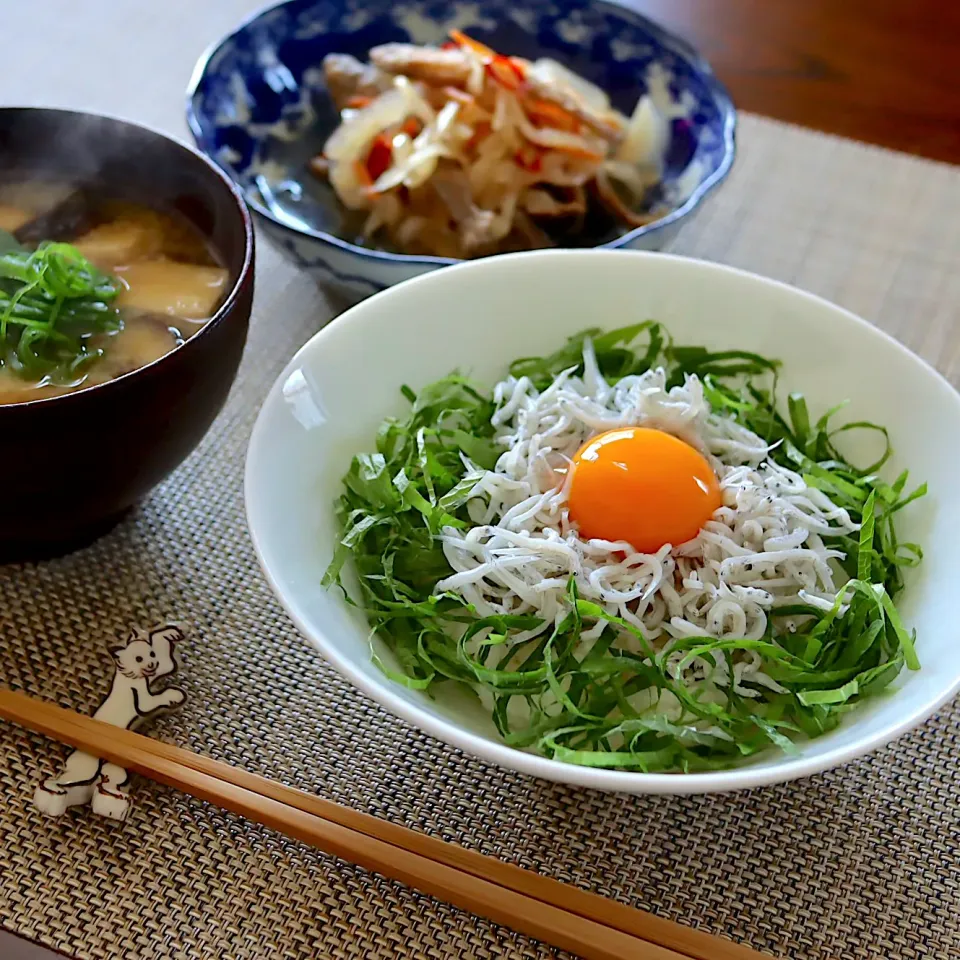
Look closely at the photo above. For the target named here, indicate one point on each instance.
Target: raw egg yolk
(643, 486)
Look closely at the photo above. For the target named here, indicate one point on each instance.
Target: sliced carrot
(481, 50)
(552, 115)
(579, 152)
(358, 101)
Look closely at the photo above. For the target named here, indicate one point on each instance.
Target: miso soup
(93, 288)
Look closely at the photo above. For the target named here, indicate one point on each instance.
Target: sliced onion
(399, 173)
(415, 171)
(447, 116)
(392, 177)
(552, 82)
(561, 140)
(486, 227)
(492, 196)
(453, 189)
(462, 132)
(550, 73)
(478, 73)
(407, 231)
(352, 193)
(386, 211)
(636, 179)
(423, 165)
(503, 221)
(478, 231)
(565, 170)
(646, 137)
(436, 237)
(534, 237)
(491, 152)
(348, 142)
(500, 111)
(540, 203)
(554, 139)
(402, 145)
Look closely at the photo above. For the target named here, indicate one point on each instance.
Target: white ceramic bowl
(477, 317)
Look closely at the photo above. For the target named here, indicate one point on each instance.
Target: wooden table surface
(884, 71)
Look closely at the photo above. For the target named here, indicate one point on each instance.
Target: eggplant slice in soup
(62, 222)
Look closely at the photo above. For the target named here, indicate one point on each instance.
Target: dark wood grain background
(884, 71)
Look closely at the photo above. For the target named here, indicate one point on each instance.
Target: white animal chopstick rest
(145, 657)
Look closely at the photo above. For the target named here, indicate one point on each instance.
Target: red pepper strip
(379, 158)
(358, 101)
(507, 72)
(363, 177)
(529, 158)
(480, 132)
(411, 127)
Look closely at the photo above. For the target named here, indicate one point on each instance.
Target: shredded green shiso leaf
(397, 499)
(52, 301)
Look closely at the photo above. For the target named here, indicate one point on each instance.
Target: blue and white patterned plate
(257, 105)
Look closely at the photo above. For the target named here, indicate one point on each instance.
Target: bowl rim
(492, 751)
(666, 37)
(244, 274)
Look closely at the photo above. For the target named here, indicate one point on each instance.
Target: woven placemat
(861, 863)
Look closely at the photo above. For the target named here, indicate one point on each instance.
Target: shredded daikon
(523, 137)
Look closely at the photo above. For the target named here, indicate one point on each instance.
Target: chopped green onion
(52, 302)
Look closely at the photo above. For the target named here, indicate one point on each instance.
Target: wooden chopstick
(549, 910)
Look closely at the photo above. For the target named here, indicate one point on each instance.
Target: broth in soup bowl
(126, 281)
(92, 289)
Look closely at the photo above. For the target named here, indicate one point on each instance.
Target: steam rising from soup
(161, 283)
